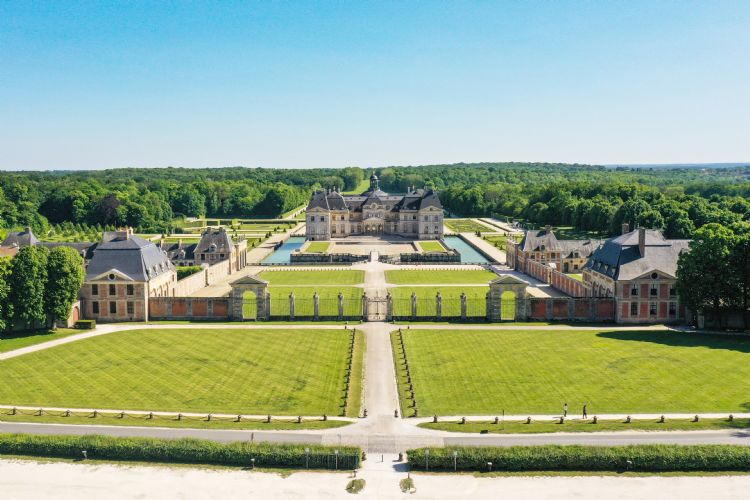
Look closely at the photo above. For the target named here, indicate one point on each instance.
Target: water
(469, 254)
(283, 253)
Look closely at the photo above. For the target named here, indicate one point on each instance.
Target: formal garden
(520, 372)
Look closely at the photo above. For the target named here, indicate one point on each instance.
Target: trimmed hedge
(85, 324)
(196, 451)
(651, 458)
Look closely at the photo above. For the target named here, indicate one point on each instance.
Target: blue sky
(331, 84)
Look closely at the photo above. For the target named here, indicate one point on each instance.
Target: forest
(587, 197)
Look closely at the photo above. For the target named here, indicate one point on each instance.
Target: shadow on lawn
(679, 339)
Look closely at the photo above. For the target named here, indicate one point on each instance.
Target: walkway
(491, 250)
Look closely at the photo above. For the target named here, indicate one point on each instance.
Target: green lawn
(576, 276)
(284, 372)
(306, 278)
(435, 277)
(10, 342)
(476, 305)
(431, 246)
(318, 247)
(484, 372)
(465, 226)
(579, 425)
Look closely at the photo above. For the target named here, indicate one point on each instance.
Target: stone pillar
(267, 314)
(488, 306)
(341, 306)
(521, 314)
(388, 307)
(464, 315)
(261, 302)
(316, 306)
(413, 306)
(438, 306)
(291, 306)
(571, 308)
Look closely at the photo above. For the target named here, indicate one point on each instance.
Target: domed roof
(373, 177)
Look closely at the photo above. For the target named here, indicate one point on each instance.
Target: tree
(739, 259)
(190, 202)
(5, 309)
(65, 277)
(29, 281)
(704, 273)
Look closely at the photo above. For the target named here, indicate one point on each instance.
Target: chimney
(642, 241)
(625, 228)
(27, 229)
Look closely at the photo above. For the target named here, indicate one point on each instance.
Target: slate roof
(136, 258)
(214, 241)
(413, 200)
(177, 250)
(20, 239)
(84, 249)
(533, 240)
(620, 257)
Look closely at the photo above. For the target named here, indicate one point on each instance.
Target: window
(112, 290)
(672, 291)
(672, 309)
(130, 308)
(95, 307)
(113, 308)
(652, 309)
(654, 290)
(634, 290)
(130, 289)
(95, 290)
(634, 308)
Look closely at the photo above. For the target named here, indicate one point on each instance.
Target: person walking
(585, 414)
(565, 410)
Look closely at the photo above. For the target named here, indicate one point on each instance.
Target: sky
(91, 85)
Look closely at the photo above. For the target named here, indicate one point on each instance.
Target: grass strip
(196, 451)
(577, 425)
(638, 458)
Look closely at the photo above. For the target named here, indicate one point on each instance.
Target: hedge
(654, 458)
(196, 451)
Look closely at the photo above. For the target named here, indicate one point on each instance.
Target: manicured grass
(451, 300)
(283, 372)
(465, 226)
(578, 425)
(328, 277)
(318, 247)
(483, 372)
(431, 246)
(439, 277)
(354, 406)
(571, 233)
(162, 421)
(328, 300)
(578, 277)
(10, 342)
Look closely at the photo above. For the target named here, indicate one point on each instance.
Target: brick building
(124, 272)
(638, 269)
(543, 247)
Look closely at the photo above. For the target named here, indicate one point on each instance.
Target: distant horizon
(468, 164)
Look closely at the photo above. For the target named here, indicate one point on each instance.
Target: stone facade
(417, 214)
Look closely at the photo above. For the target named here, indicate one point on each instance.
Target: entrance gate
(378, 308)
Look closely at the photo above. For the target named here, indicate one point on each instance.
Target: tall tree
(65, 277)
(740, 262)
(29, 281)
(5, 307)
(704, 273)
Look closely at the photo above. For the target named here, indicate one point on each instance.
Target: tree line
(38, 286)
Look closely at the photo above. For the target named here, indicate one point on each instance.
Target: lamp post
(336, 453)
(252, 462)
(455, 464)
(427, 459)
(489, 466)
(307, 458)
